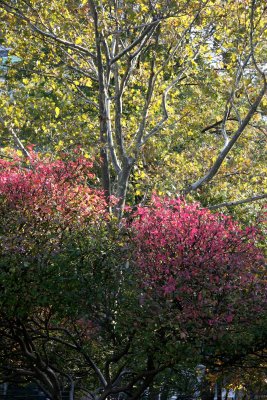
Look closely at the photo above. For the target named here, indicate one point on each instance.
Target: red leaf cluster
(203, 264)
(48, 188)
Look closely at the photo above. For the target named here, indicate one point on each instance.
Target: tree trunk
(219, 391)
(153, 394)
(121, 189)
(103, 117)
(207, 390)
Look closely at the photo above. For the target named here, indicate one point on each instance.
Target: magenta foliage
(47, 188)
(204, 264)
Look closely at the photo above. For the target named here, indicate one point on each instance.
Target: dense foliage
(86, 310)
(200, 261)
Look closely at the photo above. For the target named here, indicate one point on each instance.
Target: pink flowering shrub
(202, 265)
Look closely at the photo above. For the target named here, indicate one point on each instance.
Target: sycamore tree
(150, 86)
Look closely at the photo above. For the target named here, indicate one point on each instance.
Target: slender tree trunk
(121, 190)
(103, 117)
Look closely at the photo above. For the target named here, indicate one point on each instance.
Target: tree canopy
(151, 87)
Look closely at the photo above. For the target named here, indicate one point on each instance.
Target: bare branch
(149, 94)
(147, 32)
(236, 203)
(217, 123)
(182, 38)
(165, 116)
(230, 101)
(19, 143)
(141, 139)
(17, 139)
(118, 113)
(87, 100)
(252, 46)
(80, 70)
(78, 347)
(132, 61)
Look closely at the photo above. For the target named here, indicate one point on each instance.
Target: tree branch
(217, 123)
(118, 113)
(236, 203)
(15, 11)
(146, 32)
(165, 116)
(226, 149)
(17, 139)
(242, 123)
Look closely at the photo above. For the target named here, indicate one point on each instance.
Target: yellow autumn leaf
(88, 83)
(57, 111)
(78, 40)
